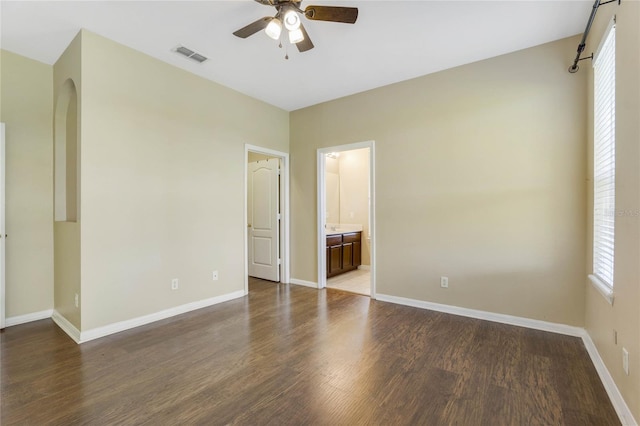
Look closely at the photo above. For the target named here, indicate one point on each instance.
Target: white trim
(3, 164)
(117, 327)
(603, 289)
(66, 326)
(23, 319)
(321, 232)
(303, 283)
(285, 276)
(372, 218)
(321, 212)
(488, 316)
(618, 402)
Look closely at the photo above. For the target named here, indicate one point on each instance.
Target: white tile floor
(357, 281)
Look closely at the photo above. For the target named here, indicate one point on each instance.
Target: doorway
(266, 215)
(346, 218)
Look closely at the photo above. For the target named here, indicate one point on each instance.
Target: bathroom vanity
(344, 252)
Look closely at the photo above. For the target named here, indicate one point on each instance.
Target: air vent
(190, 54)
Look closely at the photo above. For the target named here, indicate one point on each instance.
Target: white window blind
(604, 167)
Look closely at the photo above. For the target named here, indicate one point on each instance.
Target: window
(604, 164)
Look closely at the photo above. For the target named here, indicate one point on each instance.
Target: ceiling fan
(288, 13)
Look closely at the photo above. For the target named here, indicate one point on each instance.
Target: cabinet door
(335, 260)
(328, 261)
(357, 254)
(347, 256)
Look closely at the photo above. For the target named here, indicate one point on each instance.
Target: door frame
(285, 271)
(322, 210)
(3, 236)
(272, 270)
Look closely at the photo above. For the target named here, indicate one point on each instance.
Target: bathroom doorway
(346, 220)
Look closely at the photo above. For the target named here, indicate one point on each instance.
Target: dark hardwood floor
(294, 355)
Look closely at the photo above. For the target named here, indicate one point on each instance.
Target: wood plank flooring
(293, 355)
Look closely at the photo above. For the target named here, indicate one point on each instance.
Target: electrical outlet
(444, 282)
(214, 276)
(175, 284)
(625, 361)
(77, 301)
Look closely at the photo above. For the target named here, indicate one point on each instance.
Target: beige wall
(601, 318)
(354, 193)
(162, 182)
(67, 234)
(480, 177)
(26, 101)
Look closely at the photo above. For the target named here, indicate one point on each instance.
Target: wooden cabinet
(334, 260)
(344, 253)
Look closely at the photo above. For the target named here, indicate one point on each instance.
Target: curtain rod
(574, 68)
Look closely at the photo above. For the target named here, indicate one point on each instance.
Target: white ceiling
(391, 41)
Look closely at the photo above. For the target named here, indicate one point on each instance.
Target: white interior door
(264, 224)
(2, 230)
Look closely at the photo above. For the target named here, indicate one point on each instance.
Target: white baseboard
(365, 267)
(66, 326)
(23, 319)
(117, 327)
(618, 402)
(303, 283)
(484, 315)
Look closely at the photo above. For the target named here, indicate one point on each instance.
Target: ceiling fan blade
(305, 44)
(253, 27)
(348, 15)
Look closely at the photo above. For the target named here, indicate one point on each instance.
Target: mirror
(332, 185)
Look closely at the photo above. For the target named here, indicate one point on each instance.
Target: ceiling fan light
(291, 20)
(274, 28)
(296, 36)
